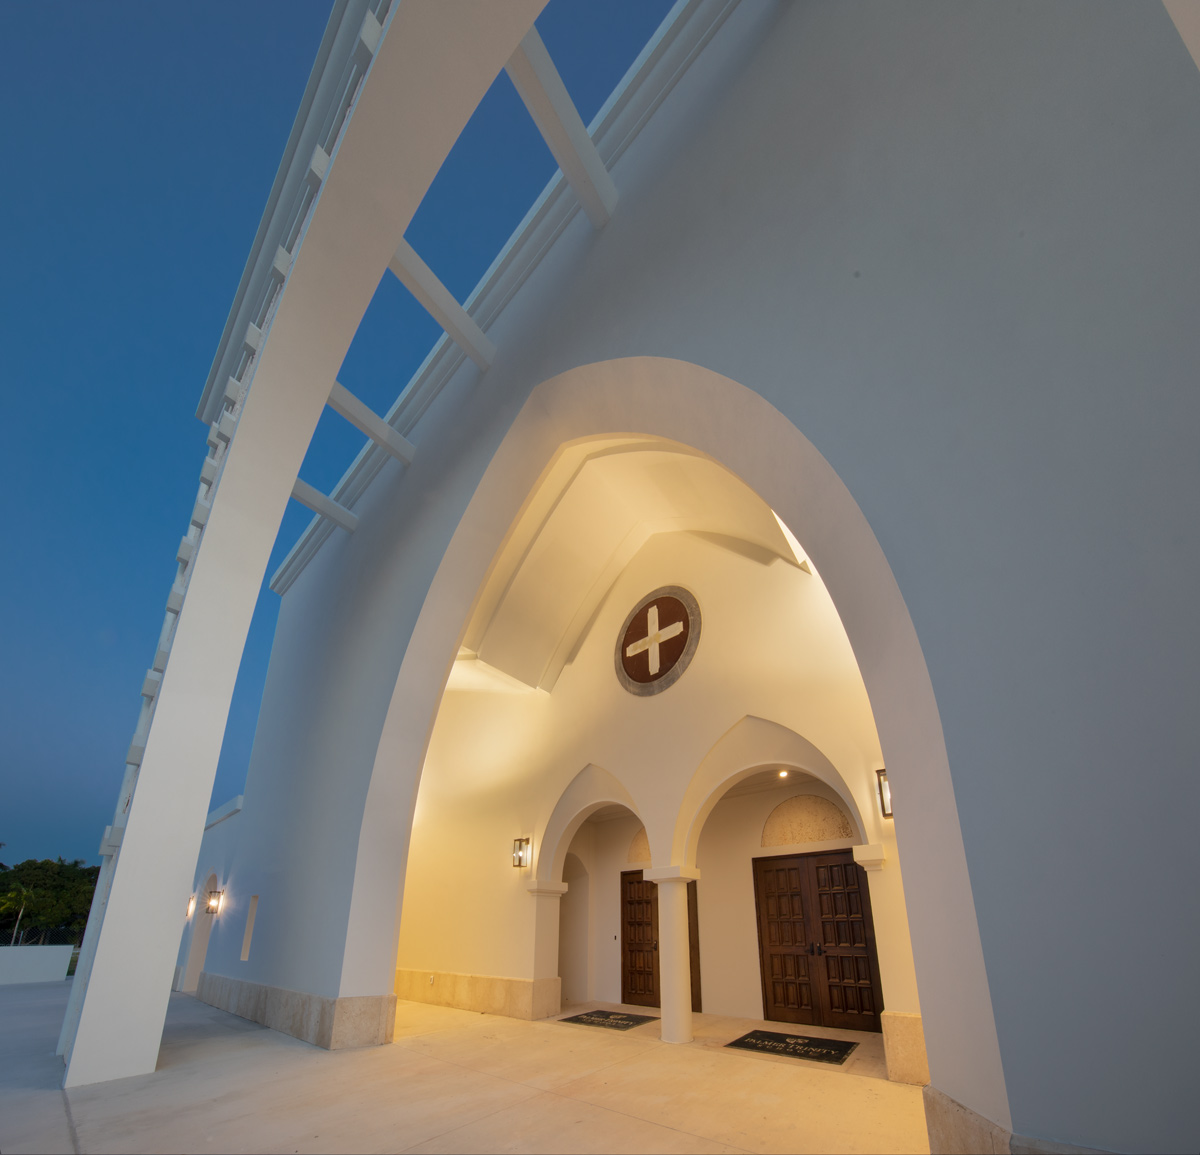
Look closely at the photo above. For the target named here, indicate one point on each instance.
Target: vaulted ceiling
(599, 504)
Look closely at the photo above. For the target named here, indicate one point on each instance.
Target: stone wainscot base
(516, 998)
(957, 1130)
(362, 1021)
(904, 1047)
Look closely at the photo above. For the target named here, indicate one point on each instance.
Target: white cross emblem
(653, 639)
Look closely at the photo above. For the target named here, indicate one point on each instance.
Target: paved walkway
(454, 1081)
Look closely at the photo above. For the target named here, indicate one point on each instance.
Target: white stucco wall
(956, 246)
(34, 964)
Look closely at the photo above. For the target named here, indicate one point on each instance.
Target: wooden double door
(817, 941)
(639, 941)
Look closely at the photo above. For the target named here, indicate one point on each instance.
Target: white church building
(774, 596)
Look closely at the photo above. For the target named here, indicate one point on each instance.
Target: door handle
(819, 950)
(811, 948)
(654, 945)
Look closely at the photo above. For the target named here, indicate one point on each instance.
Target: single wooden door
(784, 942)
(639, 940)
(639, 925)
(817, 941)
(847, 965)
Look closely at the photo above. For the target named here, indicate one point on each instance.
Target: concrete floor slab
(452, 1081)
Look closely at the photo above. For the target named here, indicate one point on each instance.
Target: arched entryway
(724, 423)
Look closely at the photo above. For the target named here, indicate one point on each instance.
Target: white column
(389, 153)
(547, 984)
(674, 951)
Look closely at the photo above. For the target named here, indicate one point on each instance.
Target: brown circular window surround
(657, 641)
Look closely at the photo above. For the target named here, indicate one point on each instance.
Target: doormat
(613, 1020)
(795, 1046)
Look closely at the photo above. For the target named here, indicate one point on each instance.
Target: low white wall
(34, 964)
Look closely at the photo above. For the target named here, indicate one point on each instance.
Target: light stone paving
(453, 1081)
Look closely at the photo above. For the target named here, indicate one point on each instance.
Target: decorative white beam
(541, 88)
(324, 506)
(419, 279)
(343, 402)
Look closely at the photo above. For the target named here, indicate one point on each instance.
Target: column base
(904, 1047)
(359, 1021)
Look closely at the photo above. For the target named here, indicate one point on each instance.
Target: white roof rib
(673, 48)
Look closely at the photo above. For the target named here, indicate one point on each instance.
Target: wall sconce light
(783, 773)
(522, 852)
(191, 906)
(215, 900)
(885, 794)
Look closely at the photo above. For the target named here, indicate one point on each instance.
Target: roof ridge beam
(324, 506)
(419, 279)
(541, 88)
(346, 405)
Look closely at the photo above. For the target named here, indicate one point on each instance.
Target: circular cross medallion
(657, 641)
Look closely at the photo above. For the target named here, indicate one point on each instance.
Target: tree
(59, 898)
(17, 898)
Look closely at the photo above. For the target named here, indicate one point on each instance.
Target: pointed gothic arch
(735, 426)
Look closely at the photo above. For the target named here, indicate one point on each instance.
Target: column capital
(547, 889)
(870, 857)
(671, 874)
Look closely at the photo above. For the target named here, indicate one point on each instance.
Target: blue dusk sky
(143, 140)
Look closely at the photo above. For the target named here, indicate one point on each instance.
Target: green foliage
(55, 895)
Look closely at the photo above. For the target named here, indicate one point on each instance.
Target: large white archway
(694, 406)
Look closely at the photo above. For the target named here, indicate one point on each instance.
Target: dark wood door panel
(817, 941)
(849, 991)
(639, 940)
(784, 941)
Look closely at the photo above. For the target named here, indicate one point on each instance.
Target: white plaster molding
(225, 810)
(548, 889)
(671, 874)
(870, 857)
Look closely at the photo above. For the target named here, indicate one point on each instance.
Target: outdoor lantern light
(214, 901)
(521, 851)
(885, 793)
(782, 773)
